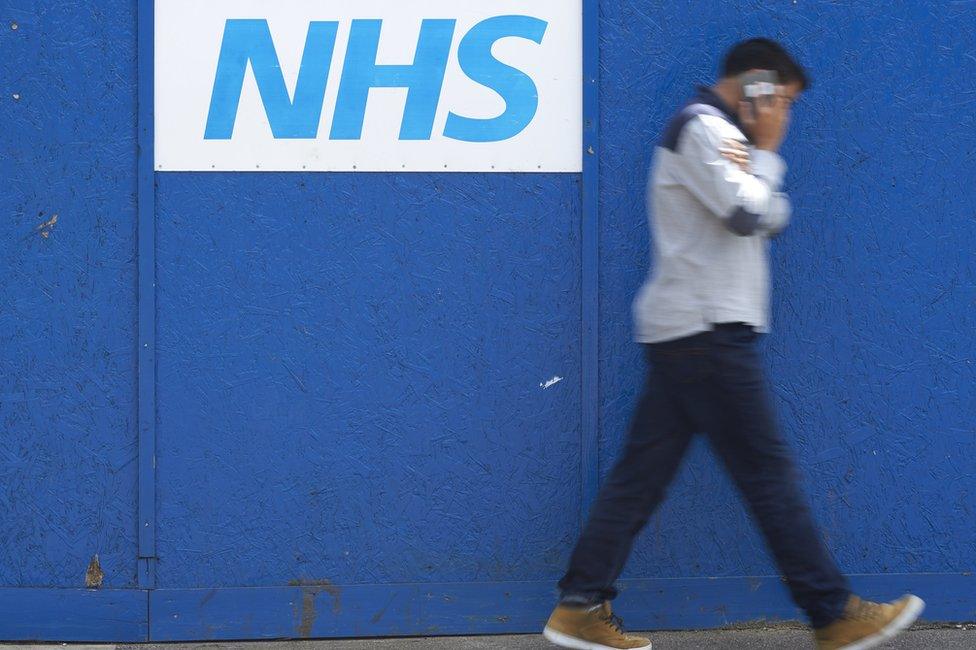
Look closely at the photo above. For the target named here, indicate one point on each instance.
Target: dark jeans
(710, 383)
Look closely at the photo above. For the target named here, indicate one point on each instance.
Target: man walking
(714, 201)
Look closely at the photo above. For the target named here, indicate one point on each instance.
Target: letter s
(514, 86)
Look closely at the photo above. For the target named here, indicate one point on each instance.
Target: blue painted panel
(37, 614)
(327, 610)
(872, 355)
(67, 295)
(350, 372)
(351, 367)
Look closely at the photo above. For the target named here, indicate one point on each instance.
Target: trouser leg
(743, 431)
(657, 440)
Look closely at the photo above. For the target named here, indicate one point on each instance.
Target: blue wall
(349, 370)
(351, 436)
(67, 293)
(872, 354)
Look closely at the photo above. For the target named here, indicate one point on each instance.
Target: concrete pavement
(947, 638)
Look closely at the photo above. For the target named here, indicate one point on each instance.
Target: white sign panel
(368, 85)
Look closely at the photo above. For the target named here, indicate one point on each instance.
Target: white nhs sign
(368, 85)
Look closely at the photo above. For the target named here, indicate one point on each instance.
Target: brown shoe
(593, 628)
(867, 625)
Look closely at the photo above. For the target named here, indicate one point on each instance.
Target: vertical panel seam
(590, 262)
(146, 287)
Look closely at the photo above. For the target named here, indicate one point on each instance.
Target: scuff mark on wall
(94, 574)
(552, 382)
(378, 616)
(307, 612)
(45, 228)
(206, 599)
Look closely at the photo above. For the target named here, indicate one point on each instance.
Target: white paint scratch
(552, 382)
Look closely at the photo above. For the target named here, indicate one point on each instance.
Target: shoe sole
(902, 622)
(566, 641)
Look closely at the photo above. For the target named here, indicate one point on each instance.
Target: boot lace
(615, 622)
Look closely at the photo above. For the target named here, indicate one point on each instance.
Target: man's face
(786, 94)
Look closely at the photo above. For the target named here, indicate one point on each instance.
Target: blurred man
(714, 199)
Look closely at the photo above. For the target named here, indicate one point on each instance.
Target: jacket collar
(709, 97)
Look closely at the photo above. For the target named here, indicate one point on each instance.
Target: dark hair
(764, 54)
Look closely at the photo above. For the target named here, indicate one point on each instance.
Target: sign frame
(230, 101)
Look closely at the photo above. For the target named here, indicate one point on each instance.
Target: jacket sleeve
(747, 203)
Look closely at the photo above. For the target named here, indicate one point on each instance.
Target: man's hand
(767, 120)
(736, 152)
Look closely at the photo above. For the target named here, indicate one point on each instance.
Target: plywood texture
(67, 292)
(872, 357)
(352, 372)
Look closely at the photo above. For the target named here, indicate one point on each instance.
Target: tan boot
(594, 628)
(867, 625)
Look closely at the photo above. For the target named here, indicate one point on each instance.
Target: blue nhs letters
(249, 41)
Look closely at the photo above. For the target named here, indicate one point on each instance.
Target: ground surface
(952, 638)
